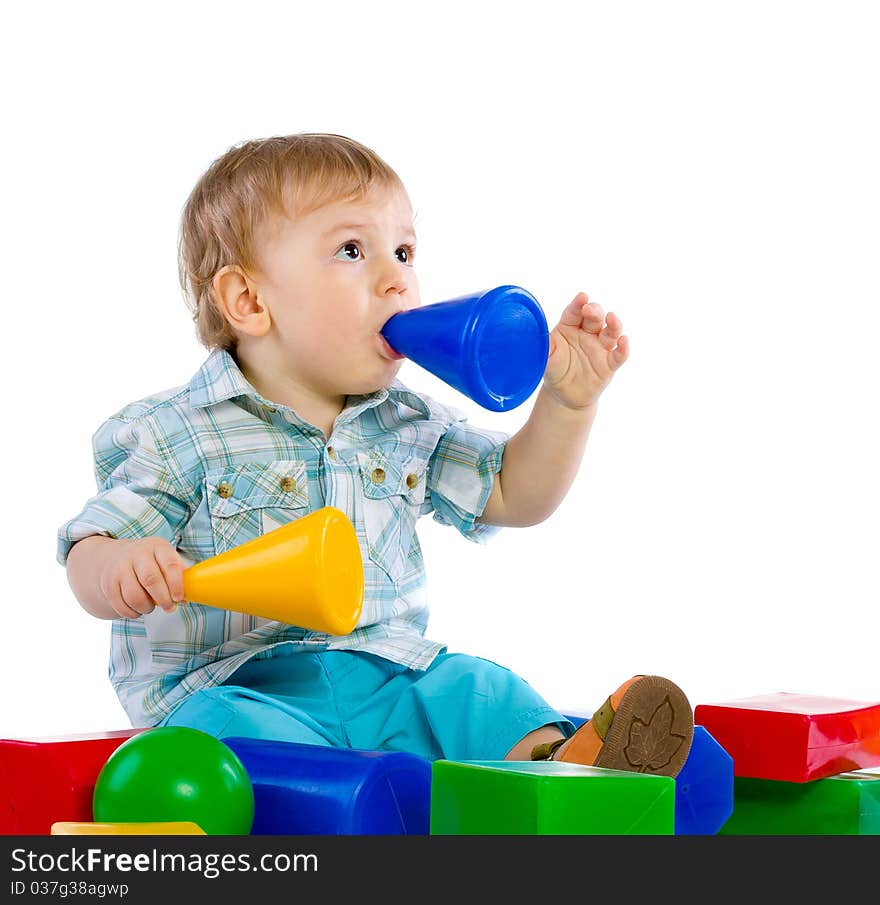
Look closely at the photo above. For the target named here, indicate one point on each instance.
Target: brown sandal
(646, 726)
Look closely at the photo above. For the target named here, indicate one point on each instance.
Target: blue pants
(460, 708)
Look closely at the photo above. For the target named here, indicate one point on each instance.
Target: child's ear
(239, 302)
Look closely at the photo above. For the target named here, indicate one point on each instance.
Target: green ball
(175, 773)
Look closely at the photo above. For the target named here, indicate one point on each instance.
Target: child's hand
(141, 575)
(586, 348)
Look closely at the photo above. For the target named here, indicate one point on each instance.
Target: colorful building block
(164, 828)
(794, 737)
(314, 790)
(703, 787)
(44, 780)
(547, 798)
(844, 805)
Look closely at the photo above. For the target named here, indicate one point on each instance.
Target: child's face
(331, 279)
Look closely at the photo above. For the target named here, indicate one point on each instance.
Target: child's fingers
(152, 580)
(117, 601)
(111, 588)
(620, 353)
(573, 313)
(134, 594)
(611, 331)
(169, 562)
(592, 317)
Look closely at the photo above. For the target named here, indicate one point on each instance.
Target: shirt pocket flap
(384, 476)
(280, 484)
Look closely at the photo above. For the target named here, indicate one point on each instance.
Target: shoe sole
(652, 729)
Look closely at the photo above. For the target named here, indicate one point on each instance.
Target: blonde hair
(288, 175)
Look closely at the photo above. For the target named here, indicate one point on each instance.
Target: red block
(794, 737)
(44, 780)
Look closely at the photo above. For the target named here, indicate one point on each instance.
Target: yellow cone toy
(308, 572)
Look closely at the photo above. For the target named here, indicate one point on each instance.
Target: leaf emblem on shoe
(652, 745)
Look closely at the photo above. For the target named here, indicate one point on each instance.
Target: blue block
(311, 790)
(703, 787)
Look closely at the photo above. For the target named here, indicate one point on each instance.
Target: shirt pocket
(393, 493)
(248, 500)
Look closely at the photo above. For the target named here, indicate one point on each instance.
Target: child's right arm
(125, 578)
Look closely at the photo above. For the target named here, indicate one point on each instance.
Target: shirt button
(332, 453)
(224, 490)
(412, 480)
(288, 483)
(377, 476)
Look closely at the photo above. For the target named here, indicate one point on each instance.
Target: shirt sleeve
(137, 493)
(461, 474)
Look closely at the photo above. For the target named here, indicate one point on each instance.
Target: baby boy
(294, 252)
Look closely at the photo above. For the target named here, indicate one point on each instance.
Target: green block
(844, 805)
(539, 798)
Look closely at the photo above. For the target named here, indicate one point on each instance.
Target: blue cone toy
(492, 346)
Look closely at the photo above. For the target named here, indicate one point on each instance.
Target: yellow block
(167, 828)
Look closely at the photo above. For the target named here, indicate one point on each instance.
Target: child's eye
(405, 254)
(350, 250)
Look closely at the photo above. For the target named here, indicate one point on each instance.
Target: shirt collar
(220, 379)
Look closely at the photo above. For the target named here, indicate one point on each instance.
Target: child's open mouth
(387, 350)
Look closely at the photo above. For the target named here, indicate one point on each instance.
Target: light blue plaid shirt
(160, 461)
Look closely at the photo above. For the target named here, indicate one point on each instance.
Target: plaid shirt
(160, 461)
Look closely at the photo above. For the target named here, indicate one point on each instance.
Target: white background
(709, 171)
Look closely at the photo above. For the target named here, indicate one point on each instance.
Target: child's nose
(391, 278)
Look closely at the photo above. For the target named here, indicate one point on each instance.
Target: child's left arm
(541, 460)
